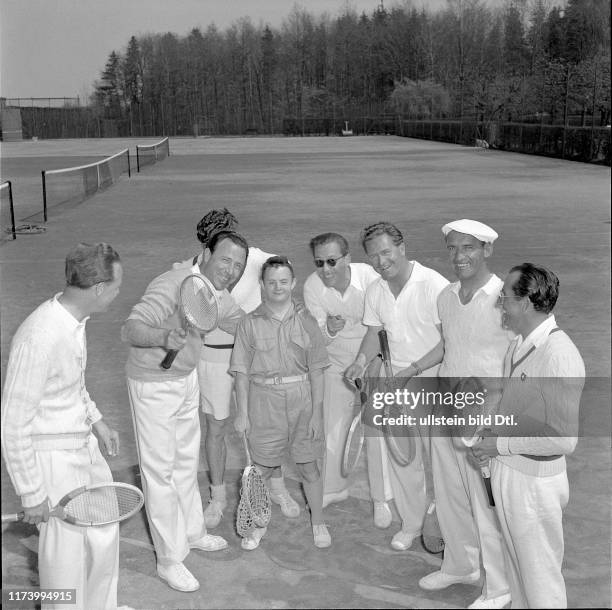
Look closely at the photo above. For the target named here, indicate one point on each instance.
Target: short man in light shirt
(335, 295)
(403, 302)
(216, 384)
(473, 345)
(165, 405)
(544, 377)
(47, 422)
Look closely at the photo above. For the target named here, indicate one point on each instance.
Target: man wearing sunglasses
(403, 301)
(335, 295)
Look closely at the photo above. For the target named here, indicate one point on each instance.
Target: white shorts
(216, 386)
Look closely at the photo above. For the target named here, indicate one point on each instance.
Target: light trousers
(167, 427)
(530, 512)
(70, 556)
(470, 527)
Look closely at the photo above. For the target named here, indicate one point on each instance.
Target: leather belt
(277, 380)
(542, 458)
(220, 345)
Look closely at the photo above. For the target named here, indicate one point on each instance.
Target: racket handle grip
(486, 477)
(12, 517)
(166, 363)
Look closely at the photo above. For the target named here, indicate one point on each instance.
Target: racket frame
(187, 318)
(59, 510)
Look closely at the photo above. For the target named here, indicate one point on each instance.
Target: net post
(44, 193)
(137, 159)
(129, 163)
(12, 210)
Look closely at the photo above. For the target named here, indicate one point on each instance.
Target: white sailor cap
(479, 230)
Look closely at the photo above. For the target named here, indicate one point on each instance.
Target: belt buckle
(277, 379)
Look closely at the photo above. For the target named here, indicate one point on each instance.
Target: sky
(57, 48)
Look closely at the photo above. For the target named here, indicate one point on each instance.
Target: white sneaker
(322, 539)
(336, 496)
(402, 541)
(289, 507)
(382, 515)
(250, 543)
(178, 577)
(491, 602)
(214, 513)
(208, 542)
(440, 580)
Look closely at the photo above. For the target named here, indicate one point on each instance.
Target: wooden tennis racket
(355, 434)
(399, 440)
(93, 505)
(198, 307)
(254, 508)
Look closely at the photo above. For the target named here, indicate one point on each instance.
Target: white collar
(537, 336)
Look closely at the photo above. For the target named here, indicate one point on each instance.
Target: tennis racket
(254, 507)
(432, 536)
(400, 442)
(474, 385)
(355, 434)
(94, 505)
(198, 307)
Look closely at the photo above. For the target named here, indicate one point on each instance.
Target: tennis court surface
(284, 191)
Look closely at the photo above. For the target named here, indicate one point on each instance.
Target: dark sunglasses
(331, 262)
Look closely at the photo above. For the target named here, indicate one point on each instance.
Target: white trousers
(469, 526)
(530, 512)
(70, 556)
(167, 427)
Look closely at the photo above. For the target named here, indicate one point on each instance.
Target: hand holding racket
(198, 308)
(475, 386)
(92, 505)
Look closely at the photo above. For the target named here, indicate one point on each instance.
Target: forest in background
(526, 60)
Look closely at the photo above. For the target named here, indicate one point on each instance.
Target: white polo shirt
(411, 319)
(475, 343)
(322, 301)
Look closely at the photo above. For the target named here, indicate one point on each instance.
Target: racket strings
(254, 506)
(199, 303)
(103, 504)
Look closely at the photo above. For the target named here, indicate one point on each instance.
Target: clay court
(284, 191)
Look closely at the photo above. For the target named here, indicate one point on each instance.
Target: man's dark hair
(274, 262)
(236, 238)
(213, 222)
(329, 238)
(537, 283)
(381, 228)
(88, 265)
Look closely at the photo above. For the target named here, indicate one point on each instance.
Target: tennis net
(7, 212)
(152, 153)
(76, 184)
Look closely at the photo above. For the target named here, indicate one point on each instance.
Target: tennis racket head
(469, 432)
(433, 540)
(199, 302)
(100, 504)
(400, 439)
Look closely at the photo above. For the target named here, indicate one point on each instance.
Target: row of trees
(521, 61)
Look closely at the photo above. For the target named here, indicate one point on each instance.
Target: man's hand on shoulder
(108, 437)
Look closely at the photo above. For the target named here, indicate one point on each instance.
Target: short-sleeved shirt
(323, 300)
(475, 343)
(268, 347)
(411, 320)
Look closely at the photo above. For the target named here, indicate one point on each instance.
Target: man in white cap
(473, 345)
